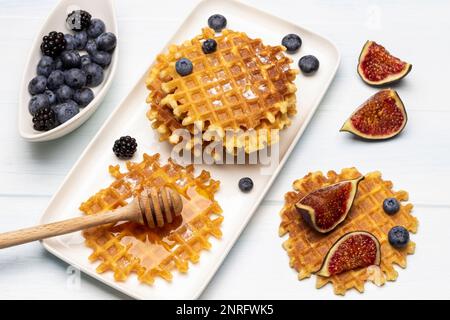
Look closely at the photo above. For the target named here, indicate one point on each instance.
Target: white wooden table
(418, 160)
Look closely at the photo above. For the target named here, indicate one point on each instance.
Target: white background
(418, 160)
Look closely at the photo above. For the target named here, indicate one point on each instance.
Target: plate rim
(207, 278)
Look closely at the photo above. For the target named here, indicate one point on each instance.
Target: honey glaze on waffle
(307, 248)
(243, 85)
(129, 247)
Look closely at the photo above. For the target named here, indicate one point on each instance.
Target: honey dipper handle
(130, 212)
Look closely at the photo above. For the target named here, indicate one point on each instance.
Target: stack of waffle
(244, 88)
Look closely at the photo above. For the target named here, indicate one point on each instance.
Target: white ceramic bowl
(102, 9)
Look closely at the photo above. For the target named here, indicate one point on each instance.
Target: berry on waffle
(243, 85)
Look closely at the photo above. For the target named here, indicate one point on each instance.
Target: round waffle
(244, 85)
(307, 248)
(129, 247)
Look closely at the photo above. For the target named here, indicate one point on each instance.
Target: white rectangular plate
(90, 172)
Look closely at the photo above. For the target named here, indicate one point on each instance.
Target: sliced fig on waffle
(357, 249)
(324, 209)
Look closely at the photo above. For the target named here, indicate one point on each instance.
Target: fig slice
(381, 117)
(356, 249)
(324, 209)
(378, 67)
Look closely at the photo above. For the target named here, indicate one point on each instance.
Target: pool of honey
(153, 246)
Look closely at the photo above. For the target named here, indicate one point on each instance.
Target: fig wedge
(324, 209)
(357, 249)
(382, 116)
(377, 67)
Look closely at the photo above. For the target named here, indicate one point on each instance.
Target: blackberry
(44, 119)
(78, 20)
(125, 147)
(53, 44)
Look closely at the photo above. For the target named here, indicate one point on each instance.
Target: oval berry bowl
(69, 69)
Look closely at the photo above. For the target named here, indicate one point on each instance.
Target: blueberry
(217, 22)
(91, 46)
(94, 74)
(391, 206)
(55, 80)
(398, 237)
(209, 46)
(51, 97)
(45, 66)
(58, 64)
(308, 64)
(56, 107)
(85, 60)
(70, 59)
(37, 102)
(75, 78)
(66, 111)
(184, 67)
(292, 42)
(96, 28)
(102, 58)
(83, 97)
(64, 93)
(81, 39)
(70, 41)
(106, 41)
(245, 184)
(37, 85)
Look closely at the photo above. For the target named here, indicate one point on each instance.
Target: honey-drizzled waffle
(307, 248)
(243, 85)
(129, 247)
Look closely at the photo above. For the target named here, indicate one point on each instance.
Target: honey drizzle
(156, 244)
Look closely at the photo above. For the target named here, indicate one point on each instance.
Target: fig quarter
(353, 250)
(377, 67)
(324, 209)
(381, 117)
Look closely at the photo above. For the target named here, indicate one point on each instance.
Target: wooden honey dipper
(153, 207)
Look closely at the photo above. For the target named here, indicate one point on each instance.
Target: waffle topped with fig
(347, 228)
